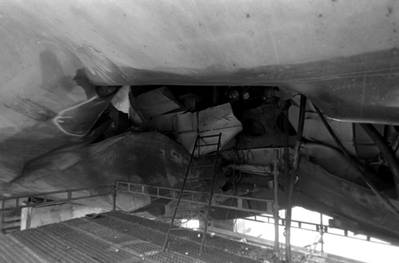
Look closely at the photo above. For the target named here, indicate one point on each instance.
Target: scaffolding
(268, 215)
(200, 141)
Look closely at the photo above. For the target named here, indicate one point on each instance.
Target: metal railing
(197, 197)
(314, 227)
(52, 198)
(12, 206)
(16, 203)
(263, 216)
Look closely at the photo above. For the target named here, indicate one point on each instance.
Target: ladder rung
(11, 228)
(209, 136)
(207, 144)
(11, 221)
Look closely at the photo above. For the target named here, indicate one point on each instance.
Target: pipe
(293, 175)
(286, 160)
(386, 151)
(299, 135)
(356, 164)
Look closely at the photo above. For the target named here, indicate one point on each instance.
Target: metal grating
(226, 245)
(50, 248)
(151, 231)
(121, 237)
(145, 250)
(95, 248)
(105, 233)
(11, 251)
(166, 257)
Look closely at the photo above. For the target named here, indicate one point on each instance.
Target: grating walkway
(121, 237)
(115, 237)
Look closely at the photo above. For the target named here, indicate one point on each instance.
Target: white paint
(59, 118)
(121, 100)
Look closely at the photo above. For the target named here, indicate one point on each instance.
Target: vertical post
(321, 234)
(2, 215)
(292, 175)
(114, 192)
(19, 211)
(276, 207)
(288, 178)
(198, 139)
(28, 217)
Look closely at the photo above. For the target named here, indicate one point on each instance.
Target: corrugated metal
(95, 248)
(11, 251)
(185, 242)
(215, 243)
(120, 237)
(51, 248)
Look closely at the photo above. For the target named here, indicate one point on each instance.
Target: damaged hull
(345, 59)
(124, 157)
(343, 49)
(352, 206)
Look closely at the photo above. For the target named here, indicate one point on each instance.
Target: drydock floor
(120, 237)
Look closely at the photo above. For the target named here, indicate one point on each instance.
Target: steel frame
(169, 193)
(16, 203)
(195, 197)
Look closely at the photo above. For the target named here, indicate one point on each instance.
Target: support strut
(356, 164)
(276, 217)
(293, 175)
(386, 151)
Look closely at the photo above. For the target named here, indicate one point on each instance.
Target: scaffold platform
(122, 237)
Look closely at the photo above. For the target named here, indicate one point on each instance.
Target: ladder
(10, 215)
(9, 222)
(200, 141)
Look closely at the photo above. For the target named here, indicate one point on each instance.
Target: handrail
(144, 190)
(315, 227)
(68, 192)
(18, 202)
(117, 187)
(193, 191)
(54, 192)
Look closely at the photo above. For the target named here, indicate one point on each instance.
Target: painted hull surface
(343, 54)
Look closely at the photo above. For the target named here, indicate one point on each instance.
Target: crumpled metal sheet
(211, 121)
(121, 99)
(156, 102)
